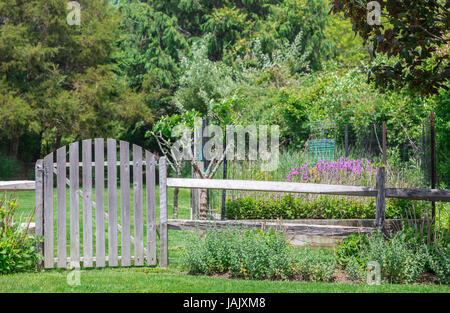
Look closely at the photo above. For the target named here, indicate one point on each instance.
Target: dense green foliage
(315, 264)
(57, 80)
(130, 62)
(8, 167)
(403, 258)
(241, 253)
(17, 248)
(323, 207)
(265, 255)
(415, 32)
(255, 254)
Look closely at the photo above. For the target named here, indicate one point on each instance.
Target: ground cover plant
(403, 258)
(255, 254)
(242, 253)
(17, 248)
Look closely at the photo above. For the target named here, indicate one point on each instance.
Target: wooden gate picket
(61, 198)
(45, 171)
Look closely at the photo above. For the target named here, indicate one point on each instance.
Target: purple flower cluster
(331, 170)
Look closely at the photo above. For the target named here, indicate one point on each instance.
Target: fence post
(164, 259)
(39, 211)
(224, 176)
(346, 140)
(380, 203)
(433, 165)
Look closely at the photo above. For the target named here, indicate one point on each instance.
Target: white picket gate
(91, 243)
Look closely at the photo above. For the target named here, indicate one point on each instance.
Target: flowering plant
(341, 171)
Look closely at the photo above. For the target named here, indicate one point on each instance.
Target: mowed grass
(173, 279)
(26, 203)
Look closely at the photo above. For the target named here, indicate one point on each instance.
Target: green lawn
(147, 279)
(26, 200)
(159, 280)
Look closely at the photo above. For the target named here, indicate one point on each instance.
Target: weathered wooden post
(381, 196)
(39, 211)
(198, 156)
(48, 211)
(164, 258)
(224, 191)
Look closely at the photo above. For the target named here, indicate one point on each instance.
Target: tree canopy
(415, 32)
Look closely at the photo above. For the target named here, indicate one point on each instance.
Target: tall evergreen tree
(60, 75)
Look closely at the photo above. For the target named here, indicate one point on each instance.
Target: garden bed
(312, 232)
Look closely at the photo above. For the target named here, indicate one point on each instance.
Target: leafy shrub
(355, 269)
(315, 264)
(323, 207)
(349, 248)
(242, 253)
(17, 249)
(8, 167)
(439, 262)
(401, 261)
(402, 258)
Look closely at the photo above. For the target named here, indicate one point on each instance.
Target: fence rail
(380, 192)
(341, 190)
(18, 185)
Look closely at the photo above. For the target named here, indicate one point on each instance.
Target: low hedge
(241, 253)
(324, 207)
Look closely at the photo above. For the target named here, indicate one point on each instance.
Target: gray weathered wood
(151, 208)
(125, 201)
(195, 195)
(17, 185)
(61, 196)
(298, 229)
(419, 194)
(271, 186)
(104, 163)
(48, 211)
(164, 257)
(94, 259)
(380, 202)
(100, 202)
(138, 211)
(112, 203)
(74, 203)
(87, 203)
(93, 204)
(39, 210)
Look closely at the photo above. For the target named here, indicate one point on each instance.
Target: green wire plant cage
(322, 142)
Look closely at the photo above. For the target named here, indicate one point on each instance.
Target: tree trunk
(175, 203)
(14, 147)
(203, 204)
(58, 141)
(175, 196)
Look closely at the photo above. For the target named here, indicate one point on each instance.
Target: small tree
(178, 151)
(165, 132)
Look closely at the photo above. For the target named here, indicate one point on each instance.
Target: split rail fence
(134, 250)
